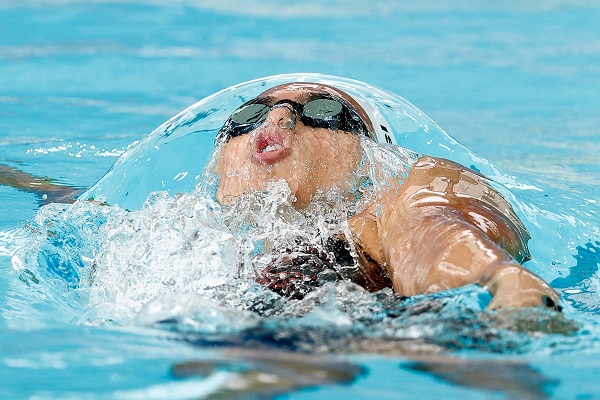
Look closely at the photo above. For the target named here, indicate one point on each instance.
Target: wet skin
(307, 158)
(442, 228)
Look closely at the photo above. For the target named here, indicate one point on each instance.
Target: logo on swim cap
(381, 132)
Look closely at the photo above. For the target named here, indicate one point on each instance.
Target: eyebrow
(308, 97)
(268, 100)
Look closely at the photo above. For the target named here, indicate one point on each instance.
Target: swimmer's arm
(427, 245)
(44, 188)
(424, 256)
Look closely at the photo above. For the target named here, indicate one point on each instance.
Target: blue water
(518, 84)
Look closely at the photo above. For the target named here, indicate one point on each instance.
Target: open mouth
(271, 146)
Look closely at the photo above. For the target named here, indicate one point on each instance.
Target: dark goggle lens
(322, 109)
(250, 114)
(323, 113)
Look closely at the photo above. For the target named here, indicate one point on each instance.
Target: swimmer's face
(291, 141)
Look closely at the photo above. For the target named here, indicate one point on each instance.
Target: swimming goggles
(323, 111)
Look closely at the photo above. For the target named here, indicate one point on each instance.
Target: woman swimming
(443, 227)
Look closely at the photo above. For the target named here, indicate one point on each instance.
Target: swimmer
(442, 227)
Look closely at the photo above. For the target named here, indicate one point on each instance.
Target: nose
(283, 116)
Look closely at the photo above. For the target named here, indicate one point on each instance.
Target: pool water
(517, 84)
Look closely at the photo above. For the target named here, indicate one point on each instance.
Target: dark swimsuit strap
(369, 274)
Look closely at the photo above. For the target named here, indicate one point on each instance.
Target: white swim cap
(381, 132)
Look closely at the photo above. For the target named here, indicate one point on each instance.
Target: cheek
(332, 153)
(315, 149)
(233, 172)
(226, 164)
